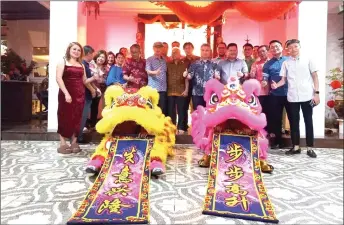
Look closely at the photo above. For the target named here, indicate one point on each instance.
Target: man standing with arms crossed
(303, 92)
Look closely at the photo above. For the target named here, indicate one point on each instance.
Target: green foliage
(12, 58)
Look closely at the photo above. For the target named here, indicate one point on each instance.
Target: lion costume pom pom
(134, 112)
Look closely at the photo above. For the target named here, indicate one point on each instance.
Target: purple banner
(120, 193)
(235, 186)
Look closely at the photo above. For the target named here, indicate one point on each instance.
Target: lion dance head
(232, 106)
(134, 112)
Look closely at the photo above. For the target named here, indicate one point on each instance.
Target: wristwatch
(316, 92)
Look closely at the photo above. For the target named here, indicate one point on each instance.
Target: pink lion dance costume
(233, 105)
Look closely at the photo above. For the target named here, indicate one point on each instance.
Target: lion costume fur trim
(151, 119)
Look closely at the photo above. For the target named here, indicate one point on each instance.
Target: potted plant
(15, 67)
(335, 103)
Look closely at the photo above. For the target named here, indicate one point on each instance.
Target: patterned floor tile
(39, 186)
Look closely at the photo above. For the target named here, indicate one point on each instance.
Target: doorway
(156, 32)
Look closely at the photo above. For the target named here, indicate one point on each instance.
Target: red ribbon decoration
(258, 11)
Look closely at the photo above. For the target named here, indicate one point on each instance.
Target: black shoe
(311, 153)
(83, 141)
(92, 171)
(293, 151)
(277, 146)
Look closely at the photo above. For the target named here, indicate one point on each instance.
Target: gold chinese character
(123, 190)
(115, 206)
(129, 156)
(123, 176)
(234, 173)
(235, 189)
(234, 151)
(235, 200)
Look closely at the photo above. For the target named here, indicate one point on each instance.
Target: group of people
(287, 79)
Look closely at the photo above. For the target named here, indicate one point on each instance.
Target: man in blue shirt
(156, 69)
(278, 97)
(88, 56)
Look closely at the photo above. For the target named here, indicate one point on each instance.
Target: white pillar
(312, 34)
(63, 30)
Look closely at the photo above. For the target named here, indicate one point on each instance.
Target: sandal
(75, 148)
(64, 149)
(205, 161)
(266, 168)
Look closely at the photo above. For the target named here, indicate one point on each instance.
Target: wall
(334, 58)
(111, 31)
(334, 32)
(237, 28)
(19, 38)
(156, 32)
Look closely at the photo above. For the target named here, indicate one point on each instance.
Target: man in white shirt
(303, 92)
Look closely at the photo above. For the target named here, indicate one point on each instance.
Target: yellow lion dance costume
(130, 112)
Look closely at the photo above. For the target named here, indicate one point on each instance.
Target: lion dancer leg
(158, 159)
(263, 154)
(163, 147)
(205, 160)
(197, 132)
(98, 157)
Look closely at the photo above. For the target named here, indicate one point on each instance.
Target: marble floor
(39, 186)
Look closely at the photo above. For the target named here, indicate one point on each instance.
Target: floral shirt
(136, 68)
(201, 71)
(101, 71)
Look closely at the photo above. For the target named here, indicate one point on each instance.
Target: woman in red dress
(71, 78)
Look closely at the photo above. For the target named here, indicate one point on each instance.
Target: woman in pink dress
(71, 79)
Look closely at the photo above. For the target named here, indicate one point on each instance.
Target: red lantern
(335, 84)
(331, 104)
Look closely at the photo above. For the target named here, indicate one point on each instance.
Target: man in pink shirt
(257, 73)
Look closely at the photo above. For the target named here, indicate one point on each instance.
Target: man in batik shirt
(134, 70)
(199, 73)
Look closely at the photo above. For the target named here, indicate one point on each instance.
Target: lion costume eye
(149, 103)
(112, 104)
(214, 99)
(252, 101)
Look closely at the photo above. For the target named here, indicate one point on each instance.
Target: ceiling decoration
(89, 7)
(197, 15)
(292, 13)
(205, 15)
